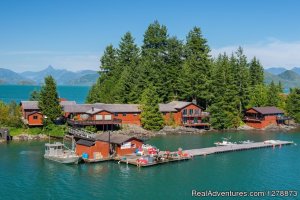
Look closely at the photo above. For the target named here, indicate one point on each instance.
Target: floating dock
(133, 159)
(235, 147)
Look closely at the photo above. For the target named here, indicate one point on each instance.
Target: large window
(184, 112)
(107, 117)
(197, 111)
(124, 114)
(191, 111)
(184, 120)
(99, 117)
(195, 120)
(35, 117)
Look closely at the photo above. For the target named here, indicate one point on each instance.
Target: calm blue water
(18, 93)
(24, 174)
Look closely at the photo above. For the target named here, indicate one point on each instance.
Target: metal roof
(268, 110)
(84, 142)
(30, 105)
(64, 103)
(114, 138)
(179, 104)
(166, 108)
(93, 111)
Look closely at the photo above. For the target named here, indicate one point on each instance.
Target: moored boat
(224, 143)
(58, 153)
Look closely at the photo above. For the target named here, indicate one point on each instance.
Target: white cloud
(271, 53)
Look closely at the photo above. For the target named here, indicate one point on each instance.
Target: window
(116, 114)
(191, 111)
(197, 111)
(35, 117)
(99, 117)
(184, 120)
(107, 117)
(184, 111)
(124, 114)
(195, 120)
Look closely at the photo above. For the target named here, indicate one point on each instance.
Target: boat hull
(64, 160)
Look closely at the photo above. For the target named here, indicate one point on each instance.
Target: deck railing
(93, 122)
(247, 118)
(201, 114)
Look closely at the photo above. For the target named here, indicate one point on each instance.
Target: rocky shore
(139, 132)
(27, 137)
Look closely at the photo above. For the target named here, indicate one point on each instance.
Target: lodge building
(261, 117)
(106, 116)
(106, 145)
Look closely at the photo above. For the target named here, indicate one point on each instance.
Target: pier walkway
(133, 159)
(235, 147)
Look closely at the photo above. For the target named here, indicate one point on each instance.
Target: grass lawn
(52, 130)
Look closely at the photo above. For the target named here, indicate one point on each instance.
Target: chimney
(93, 109)
(194, 101)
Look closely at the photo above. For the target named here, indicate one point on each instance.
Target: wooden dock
(235, 147)
(132, 159)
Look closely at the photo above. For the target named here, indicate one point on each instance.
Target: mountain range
(62, 77)
(289, 78)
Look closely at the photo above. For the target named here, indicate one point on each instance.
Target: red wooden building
(31, 114)
(107, 116)
(107, 144)
(261, 117)
(185, 114)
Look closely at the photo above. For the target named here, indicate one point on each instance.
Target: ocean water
(25, 174)
(20, 93)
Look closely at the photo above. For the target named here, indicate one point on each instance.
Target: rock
(245, 128)
(27, 137)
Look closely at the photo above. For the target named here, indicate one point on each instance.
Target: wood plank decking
(235, 147)
(132, 159)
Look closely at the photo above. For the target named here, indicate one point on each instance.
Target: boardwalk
(235, 147)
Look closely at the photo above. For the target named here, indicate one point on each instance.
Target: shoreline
(136, 131)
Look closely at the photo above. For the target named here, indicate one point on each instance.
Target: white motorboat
(57, 152)
(224, 143)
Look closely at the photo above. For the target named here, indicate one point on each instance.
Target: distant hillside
(10, 77)
(288, 78)
(62, 77)
(87, 79)
(289, 75)
(276, 70)
(296, 69)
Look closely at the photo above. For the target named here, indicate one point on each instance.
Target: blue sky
(73, 34)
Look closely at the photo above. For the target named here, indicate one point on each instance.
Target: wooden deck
(235, 147)
(132, 159)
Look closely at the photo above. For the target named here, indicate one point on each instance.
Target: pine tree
(174, 64)
(256, 72)
(273, 95)
(293, 104)
(49, 101)
(151, 118)
(224, 112)
(34, 96)
(258, 96)
(197, 67)
(128, 61)
(242, 77)
(154, 54)
(103, 89)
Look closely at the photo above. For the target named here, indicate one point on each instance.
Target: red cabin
(108, 144)
(261, 117)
